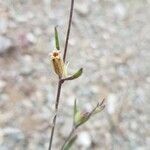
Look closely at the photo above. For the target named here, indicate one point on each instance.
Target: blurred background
(110, 39)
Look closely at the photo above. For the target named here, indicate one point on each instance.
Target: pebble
(3, 26)
(82, 9)
(2, 85)
(5, 117)
(12, 133)
(31, 38)
(140, 95)
(120, 11)
(5, 44)
(37, 31)
(3, 98)
(134, 125)
(22, 18)
(70, 100)
(111, 103)
(84, 139)
(27, 65)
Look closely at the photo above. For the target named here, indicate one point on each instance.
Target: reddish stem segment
(55, 116)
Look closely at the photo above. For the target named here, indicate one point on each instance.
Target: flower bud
(81, 117)
(57, 62)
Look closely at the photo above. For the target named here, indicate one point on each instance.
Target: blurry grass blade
(75, 109)
(56, 39)
(70, 143)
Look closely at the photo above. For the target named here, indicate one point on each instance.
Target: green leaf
(70, 143)
(76, 75)
(56, 39)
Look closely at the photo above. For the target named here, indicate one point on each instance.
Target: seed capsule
(57, 62)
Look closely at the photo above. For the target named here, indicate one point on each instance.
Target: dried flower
(57, 63)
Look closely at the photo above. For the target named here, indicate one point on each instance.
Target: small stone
(21, 18)
(12, 133)
(140, 96)
(134, 125)
(37, 31)
(120, 11)
(82, 9)
(3, 26)
(94, 89)
(5, 117)
(12, 24)
(31, 38)
(106, 36)
(27, 65)
(5, 45)
(3, 98)
(84, 139)
(111, 103)
(2, 85)
(70, 100)
(47, 2)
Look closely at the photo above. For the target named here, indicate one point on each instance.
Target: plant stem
(56, 111)
(69, 137)
(68, 31)
(60, 82)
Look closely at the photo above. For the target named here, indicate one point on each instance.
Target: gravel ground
(109, 39)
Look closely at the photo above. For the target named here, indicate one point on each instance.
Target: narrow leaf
(76, 75)
(56, 39)
(70, 143)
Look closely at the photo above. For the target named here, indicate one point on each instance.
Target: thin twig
(60, 82)
(56, 111)
(68, 31)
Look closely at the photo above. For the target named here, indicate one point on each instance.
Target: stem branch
(60, 82)
(56, 111)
